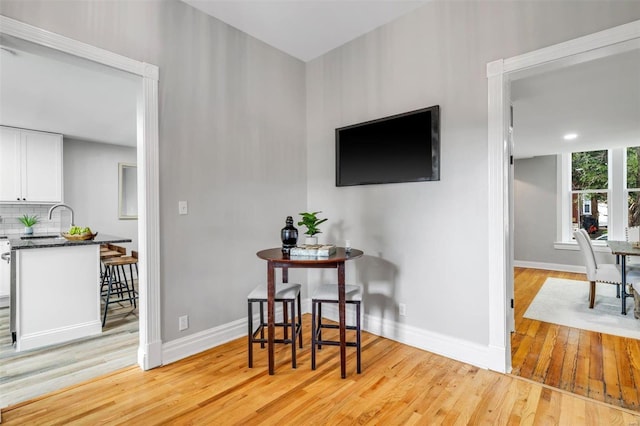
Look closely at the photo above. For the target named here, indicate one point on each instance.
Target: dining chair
(289, 295)
(609, 273)
(328, 293)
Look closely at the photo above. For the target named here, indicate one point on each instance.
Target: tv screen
(400, 148)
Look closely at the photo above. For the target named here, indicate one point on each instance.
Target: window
(633, 186)
(589, 191)
(600, 192)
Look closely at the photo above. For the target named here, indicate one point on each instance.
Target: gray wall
(232, 143)
(91, 186)
(536, 216)
(536, 213)
(427, 242)
(535, 209)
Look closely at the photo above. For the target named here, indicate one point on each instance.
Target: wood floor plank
(570, 360)
(556, 360)
(610, 369)
(583, 364)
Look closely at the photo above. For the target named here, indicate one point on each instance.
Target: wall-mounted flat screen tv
(400, 148)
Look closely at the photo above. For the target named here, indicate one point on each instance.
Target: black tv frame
(435, 146)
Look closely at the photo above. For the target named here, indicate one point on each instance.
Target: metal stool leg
(250, 335)
(358, 342)
(107, 300)
(299, 321)
(313, 335)
(293, 333)
(262, 324)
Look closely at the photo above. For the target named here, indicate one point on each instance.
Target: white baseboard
(59, 335)
(450, 347)
(4, 301)
(184, 347)
(447, 346)
(549, 266)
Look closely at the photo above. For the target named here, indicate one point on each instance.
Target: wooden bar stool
(118, 288)
(106, 253)
(328, 293)
(288, 294)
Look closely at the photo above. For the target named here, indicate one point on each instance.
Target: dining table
(622, 249)
(276, 258)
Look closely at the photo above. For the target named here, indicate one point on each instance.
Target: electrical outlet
(183, 322)
(402, 309)
(183, 208)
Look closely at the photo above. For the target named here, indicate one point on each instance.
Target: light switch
(182, 207)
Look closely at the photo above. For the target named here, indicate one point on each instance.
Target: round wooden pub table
(276, 259)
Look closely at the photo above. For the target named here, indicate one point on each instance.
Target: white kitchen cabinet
(30, 166)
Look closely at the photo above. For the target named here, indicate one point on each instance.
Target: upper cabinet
(30, 166)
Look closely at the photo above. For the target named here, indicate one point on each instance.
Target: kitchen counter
(50, 241)
(55, 291)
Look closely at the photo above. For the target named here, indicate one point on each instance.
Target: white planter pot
(309, 241)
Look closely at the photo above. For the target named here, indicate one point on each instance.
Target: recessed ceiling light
(570, 136)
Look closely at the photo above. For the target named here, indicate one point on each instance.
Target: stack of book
(315, 250)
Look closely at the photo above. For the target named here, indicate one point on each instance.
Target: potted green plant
(311, 222)
(28, 222)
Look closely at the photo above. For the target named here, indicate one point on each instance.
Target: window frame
(617, 193)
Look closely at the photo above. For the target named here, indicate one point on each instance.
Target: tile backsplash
(11, 226)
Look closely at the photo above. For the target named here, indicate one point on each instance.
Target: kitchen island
(55, 289)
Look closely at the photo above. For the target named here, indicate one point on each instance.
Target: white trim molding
(550, 266)
(440, 344)
(149, 351)
(498, 204)
(499, 75)
(450, 347)
(55, 336)
(192, 344)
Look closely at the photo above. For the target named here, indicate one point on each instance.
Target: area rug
(566, 302)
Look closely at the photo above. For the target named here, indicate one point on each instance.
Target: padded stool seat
(328, 293)
(288, 294)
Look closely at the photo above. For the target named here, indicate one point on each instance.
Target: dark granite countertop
(53, 240)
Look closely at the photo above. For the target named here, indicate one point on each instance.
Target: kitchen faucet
(61, 205)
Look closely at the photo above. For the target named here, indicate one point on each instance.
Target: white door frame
(499, 75)
(150, 348)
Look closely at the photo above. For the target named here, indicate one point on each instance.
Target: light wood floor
(599, 366)
(28, 374)
(399, 385)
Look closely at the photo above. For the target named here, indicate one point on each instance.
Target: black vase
(289, 236)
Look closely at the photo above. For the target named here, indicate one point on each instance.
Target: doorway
(149, 354)
(500, 74)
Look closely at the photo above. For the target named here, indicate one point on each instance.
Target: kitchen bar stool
(328, 293)
(118, 288)
(106, 253)
(288, 294)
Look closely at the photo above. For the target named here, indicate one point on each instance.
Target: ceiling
(43, 89)
(306, 29)
(599, 99)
